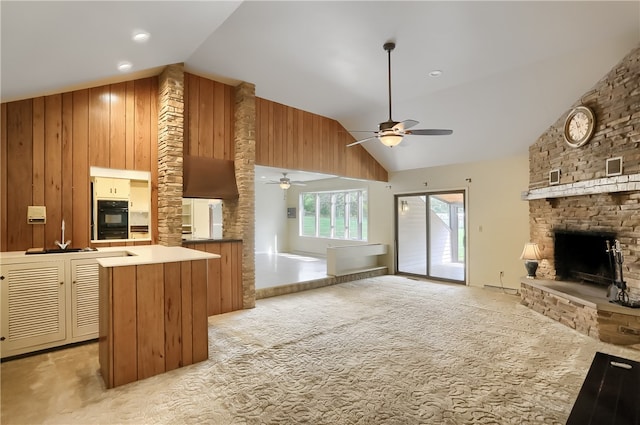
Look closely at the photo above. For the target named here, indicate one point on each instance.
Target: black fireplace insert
(583, 257)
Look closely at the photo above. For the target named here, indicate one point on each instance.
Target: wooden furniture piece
(349, 259)
(153, 312)
(610, 393)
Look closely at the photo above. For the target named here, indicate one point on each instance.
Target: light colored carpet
(385, 350)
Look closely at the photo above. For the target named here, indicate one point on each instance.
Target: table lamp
(531, 255)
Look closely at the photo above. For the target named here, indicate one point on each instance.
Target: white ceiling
(511, 69)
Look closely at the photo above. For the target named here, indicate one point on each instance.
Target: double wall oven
(113, 219)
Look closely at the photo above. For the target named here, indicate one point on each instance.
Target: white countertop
(153, 254)
(117, 255)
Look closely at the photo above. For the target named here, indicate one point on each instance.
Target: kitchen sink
(53, 251)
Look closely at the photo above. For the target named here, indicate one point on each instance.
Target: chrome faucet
(63, 245)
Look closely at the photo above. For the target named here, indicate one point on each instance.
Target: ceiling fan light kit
(390, 133)
(285, 182)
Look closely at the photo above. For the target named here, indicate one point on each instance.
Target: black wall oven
(113, 219)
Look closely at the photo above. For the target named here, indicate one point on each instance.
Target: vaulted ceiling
(509, 69)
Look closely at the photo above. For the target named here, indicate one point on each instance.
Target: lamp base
(531, 266)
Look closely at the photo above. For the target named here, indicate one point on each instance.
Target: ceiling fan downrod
(389, 46)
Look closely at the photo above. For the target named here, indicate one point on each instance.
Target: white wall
(498, 220)
(271, 218)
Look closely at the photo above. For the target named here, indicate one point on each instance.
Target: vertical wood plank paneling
(229, 114)
(125, 327)
(53, 168)
(130, 121)
(287, 137)
(172, 316)
(67, 167)
(214, 280)
(226, 277)
(143, 125)
(105, 325)
(153, 147)
(99, 126)
(237, 287)
(218, 121)
(199, 303)
(150, 319)
(187, 313)
(205, 137)
(3, 177)
(38, 160)
(51, 145)
(117, 130)
(186, 131)
(192, 97)
(81, 197)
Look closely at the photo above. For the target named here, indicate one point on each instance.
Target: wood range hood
(209, 178)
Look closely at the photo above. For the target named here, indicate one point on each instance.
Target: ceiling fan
(391, 132)
(285, 182)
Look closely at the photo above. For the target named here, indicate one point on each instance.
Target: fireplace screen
(583, 257)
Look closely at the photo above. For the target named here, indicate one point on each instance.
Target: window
(334, 215)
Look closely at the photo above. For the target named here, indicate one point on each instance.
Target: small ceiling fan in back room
(285, 182)
(390, 132)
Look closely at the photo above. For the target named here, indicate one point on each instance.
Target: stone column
(239, 215)
(170, 141)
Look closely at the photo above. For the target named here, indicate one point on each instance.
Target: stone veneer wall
(615, 100)
(239, 215)
(170, 141)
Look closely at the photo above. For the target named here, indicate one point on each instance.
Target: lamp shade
(531, 252)
(390, 140)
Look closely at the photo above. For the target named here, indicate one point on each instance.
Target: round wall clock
(579, 125)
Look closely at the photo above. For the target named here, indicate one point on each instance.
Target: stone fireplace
(572, 219)
(583, 257)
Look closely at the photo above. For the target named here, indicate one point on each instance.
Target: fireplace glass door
(431, 235)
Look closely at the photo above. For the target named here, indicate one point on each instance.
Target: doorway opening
(431, 235)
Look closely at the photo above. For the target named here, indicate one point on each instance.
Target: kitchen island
(153, 312)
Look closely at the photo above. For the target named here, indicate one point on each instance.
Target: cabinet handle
(61, 283)
(1, 277)
(2, 338)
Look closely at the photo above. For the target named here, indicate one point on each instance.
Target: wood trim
(124, 327)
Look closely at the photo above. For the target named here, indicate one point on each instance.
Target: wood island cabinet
(153, 313)
(225, 276)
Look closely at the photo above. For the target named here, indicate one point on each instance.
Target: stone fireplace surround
(586, 200)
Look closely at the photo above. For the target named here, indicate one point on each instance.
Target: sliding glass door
(431, 235)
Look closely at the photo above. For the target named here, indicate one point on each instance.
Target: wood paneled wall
(287, 137)
(48, 144)
(208, 111)
(224, 292)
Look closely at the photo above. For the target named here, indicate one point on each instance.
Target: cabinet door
(84, 298)
(111, 188)
(33, 306)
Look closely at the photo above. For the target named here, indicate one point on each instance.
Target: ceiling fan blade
(403, 125)
(357, 142)
(430, 132)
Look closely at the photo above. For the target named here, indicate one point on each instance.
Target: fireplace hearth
(583, 257)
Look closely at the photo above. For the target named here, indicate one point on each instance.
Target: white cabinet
(111, 188)
(48, 300)
(33, 306)
(84, 298)
(139, 196)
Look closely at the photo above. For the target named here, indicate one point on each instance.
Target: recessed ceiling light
(435, 73)
(124, 66)
(140, 36)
